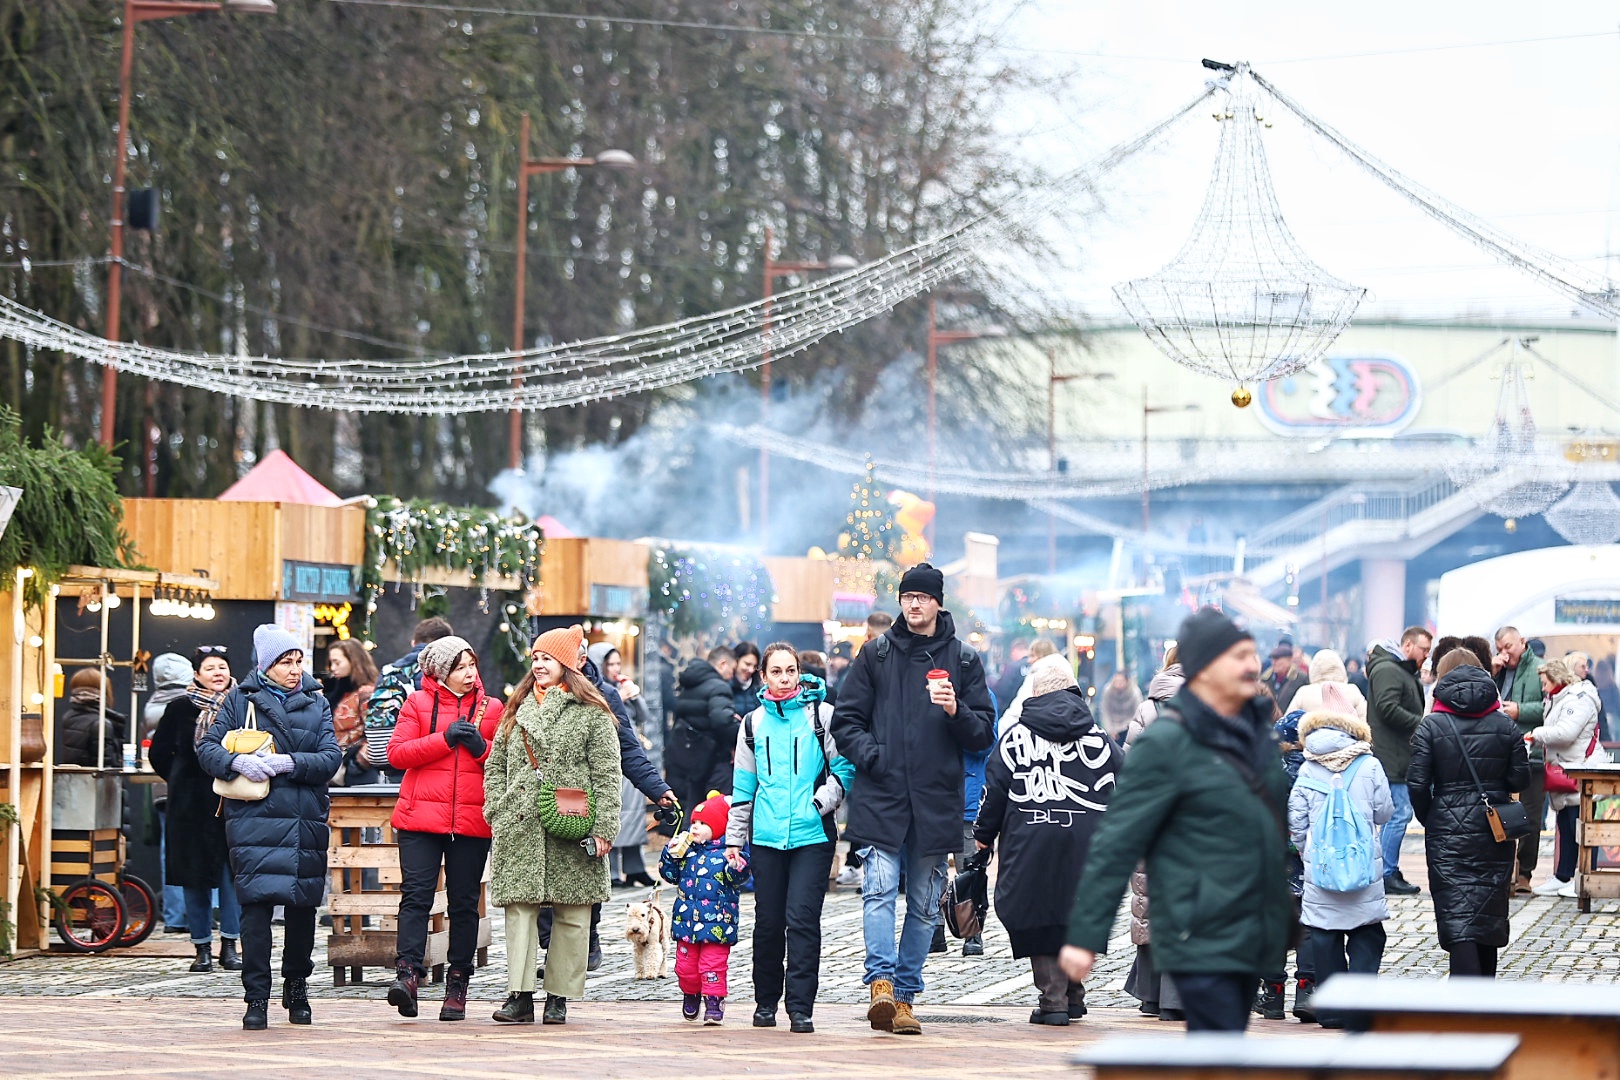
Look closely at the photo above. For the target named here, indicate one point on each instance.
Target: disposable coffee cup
(938, 679)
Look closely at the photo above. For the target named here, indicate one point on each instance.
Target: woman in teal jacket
(787, 782)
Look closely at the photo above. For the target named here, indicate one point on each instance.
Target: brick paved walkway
(981, 1006)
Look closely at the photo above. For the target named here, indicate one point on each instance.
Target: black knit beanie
(924, 579)
(1203, 636)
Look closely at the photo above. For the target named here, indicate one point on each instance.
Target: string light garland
(699, 592)
(869, 531)
(1590, 514)
(418, 535)
(596, 369)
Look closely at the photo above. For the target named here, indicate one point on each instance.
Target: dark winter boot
(229, 958)
(556, 1011)
(402, 991)
(938, 944)
(1268, 1003)
(295, 999)
(455, 995)
(973, 946)
(257, 1017)
(519, 1008)
(1302, 1001)
(204, 962)
(691, 1002)
(714, 1010)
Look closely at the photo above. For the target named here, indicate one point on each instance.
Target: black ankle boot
(402, 991)
(519, 1008)
(204, 962)
(295, 999)
(229, 958)
(556, 1011)
(257, 1017)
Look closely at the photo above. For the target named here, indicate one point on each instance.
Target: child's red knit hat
(713, 812)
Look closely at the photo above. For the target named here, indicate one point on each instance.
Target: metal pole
(1144, 471)
(933, 368)
(765, 388)
(1051, 454)
(515, 431)
(115, 269)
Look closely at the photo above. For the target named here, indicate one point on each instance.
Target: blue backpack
(1343, 850)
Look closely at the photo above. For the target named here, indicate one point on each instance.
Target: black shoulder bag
(1509, 820)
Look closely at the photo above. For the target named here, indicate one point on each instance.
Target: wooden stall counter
(1209, 1056)
(1566, 1030)
(364, 899)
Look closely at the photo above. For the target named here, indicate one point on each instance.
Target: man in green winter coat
(1202, 798)
(1394, 710)
(1518, 677)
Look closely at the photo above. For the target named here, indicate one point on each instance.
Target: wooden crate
(1594, 833)
(353, 946)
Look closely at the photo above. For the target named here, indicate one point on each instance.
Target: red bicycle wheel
(140, 910)
(90, 917)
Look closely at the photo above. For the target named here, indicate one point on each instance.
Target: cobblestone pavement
(1551, 940)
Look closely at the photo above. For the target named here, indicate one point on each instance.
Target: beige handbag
(248, 739)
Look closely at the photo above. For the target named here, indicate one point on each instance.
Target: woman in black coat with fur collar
(1469, 870)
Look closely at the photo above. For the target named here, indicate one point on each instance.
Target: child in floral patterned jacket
(706, 909)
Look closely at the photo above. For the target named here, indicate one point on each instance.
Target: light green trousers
(565, 959)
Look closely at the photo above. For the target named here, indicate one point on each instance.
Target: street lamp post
(139, 11)
(1147, 411)
(936, 338)
(1052, 381)
(775, 268)
(527, 167)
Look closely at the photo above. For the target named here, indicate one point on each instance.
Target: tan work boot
(905, 1021)
(880, 1014)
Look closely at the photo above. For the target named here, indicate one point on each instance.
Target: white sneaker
(1568, 890)
(851, 875)
(1551, 887)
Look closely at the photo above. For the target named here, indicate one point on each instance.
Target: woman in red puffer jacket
(441, 741)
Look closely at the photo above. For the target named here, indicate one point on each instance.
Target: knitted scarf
(1340, 759)
(208, 704)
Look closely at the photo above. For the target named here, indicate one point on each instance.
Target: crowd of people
(1248, 810)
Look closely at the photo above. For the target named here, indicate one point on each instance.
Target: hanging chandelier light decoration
(1241, 300)
(1588, 515)
(1506, 473)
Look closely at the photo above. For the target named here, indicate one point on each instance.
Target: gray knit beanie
(438, 658)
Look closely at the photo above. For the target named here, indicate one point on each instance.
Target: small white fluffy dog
(647, 928)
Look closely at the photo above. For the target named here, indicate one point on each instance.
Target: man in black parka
(906, 736)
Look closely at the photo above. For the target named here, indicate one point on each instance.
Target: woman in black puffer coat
(1469, 871)
(278, 844)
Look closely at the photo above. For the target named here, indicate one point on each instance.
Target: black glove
(464, 733)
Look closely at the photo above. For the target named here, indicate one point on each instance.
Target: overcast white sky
(1525, 134)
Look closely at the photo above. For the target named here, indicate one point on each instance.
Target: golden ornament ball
(1241, 397)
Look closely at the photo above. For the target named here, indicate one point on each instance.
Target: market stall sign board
(318, 583)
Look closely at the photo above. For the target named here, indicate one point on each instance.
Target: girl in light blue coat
(1347, 928)
(788, 780)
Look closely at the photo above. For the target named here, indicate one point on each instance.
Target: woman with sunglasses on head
(278, 843)
(788, 780)
(195, 855)
(440, 741)
(557, 726)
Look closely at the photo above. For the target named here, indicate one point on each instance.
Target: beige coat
(1328, 670)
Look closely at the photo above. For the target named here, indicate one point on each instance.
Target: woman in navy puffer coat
(277, 844)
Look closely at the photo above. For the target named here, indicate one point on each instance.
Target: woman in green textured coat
(556, 726)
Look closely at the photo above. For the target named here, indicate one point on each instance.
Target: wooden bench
(353, 946)
(1570, 1031)
(1360, 1057)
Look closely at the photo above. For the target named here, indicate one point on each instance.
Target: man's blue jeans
(1394, 830)
(880, 892)
(200, 913)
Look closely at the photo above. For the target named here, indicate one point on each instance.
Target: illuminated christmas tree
(869, 531)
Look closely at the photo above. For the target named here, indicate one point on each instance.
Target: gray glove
(253, 767)
(279, 764)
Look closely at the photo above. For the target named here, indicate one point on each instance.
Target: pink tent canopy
(279, 479)
(554, 529)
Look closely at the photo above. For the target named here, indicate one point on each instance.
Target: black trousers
(421, 855)
(1359, 952)
(1216, 1001)
(1534, 798)
(544, 921)
(1472, 958)
(297, 953)
(789, 888)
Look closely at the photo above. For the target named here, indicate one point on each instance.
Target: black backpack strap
(882, 647)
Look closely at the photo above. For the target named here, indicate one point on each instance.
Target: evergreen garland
(69, 514)
(420, 535)
(699, 592)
